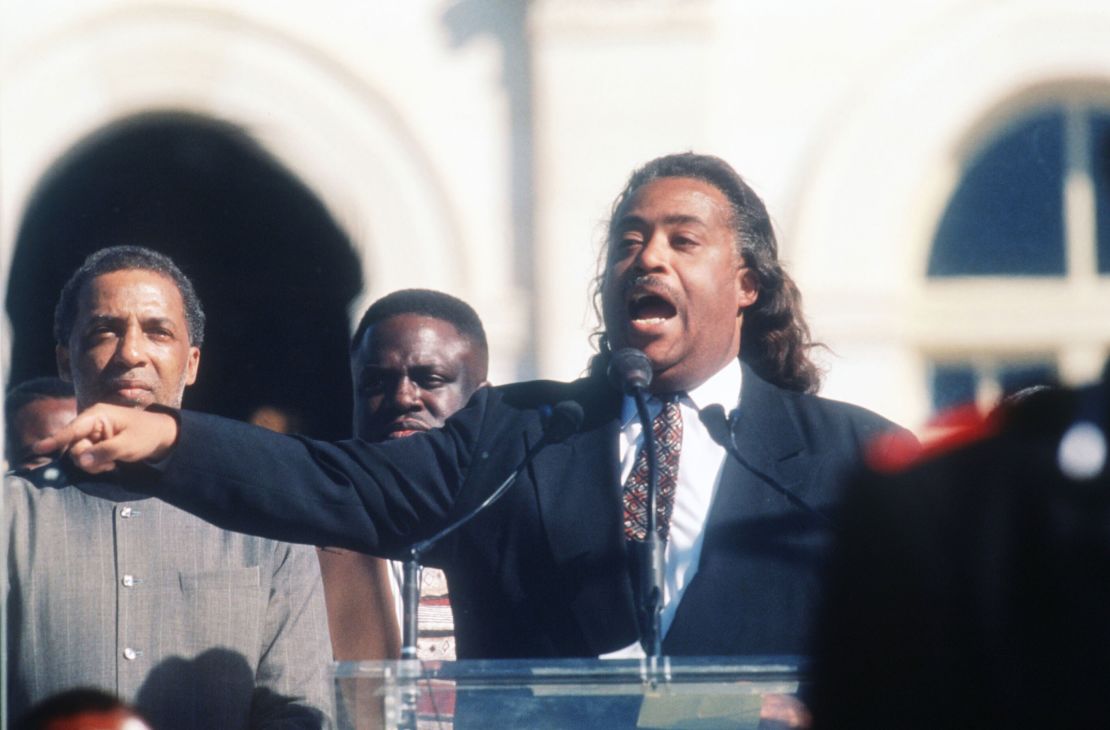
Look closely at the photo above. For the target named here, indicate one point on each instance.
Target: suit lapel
(773, 452)
(747, 522)
(581, 516)
(765, 435)
(577, 508)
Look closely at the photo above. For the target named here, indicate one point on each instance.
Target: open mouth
(650, 308)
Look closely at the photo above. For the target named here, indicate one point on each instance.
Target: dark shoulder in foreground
(1028, 432)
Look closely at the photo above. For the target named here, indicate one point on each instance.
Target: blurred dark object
(972, 589)
(82, 709)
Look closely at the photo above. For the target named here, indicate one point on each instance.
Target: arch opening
(274, 270)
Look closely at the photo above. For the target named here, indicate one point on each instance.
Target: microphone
(722, 430)
(629, 370)
(565, 420)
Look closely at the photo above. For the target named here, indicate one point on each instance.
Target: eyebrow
(675, 219)
(442, 365)
(146, 321)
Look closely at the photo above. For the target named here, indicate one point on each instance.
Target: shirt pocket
(219, 608)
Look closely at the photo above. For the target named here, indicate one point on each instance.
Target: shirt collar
(723, 387)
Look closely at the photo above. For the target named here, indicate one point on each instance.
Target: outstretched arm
(103, 436)
(374, 498)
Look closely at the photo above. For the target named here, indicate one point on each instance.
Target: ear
(192, 365)
(747, 288)
(61, 357)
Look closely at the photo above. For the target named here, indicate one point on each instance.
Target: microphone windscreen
(716, 423)
(629, 369)
(566, 419)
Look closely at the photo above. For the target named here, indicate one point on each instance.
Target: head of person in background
(82, 709)
(416, 357)
(128, 328)
(33, 410)
(691, 264)
(276, 418)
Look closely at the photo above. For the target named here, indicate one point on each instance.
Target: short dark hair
(122, 258)
(20, 396)
(71, 702)
(427, 303)
(775, 340)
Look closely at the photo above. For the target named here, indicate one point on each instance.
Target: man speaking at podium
(692, 278)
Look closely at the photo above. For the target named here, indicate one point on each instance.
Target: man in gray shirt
(197, 626)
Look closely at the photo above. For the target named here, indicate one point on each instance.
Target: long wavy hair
(775, 339)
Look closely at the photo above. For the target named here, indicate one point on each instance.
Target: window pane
(953, 385)
(1006, 217)
(956, 384)
(1100, 170)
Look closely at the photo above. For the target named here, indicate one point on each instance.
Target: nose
(131, 350)
(406, 395)
(654, 253)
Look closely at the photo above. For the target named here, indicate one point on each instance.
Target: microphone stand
(410, 601)
(631, 372)
(564, 419)
(651, 554)
(409, 666)
(409, 672)
(410, 669)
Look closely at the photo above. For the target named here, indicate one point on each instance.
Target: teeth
(651, 320)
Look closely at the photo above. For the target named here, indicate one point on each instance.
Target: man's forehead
(111, 282)
(676, 200)
(140, 276)
(411, 334)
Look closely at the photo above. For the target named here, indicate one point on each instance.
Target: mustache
(647, 281)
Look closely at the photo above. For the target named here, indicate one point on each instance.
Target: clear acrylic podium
(676, 692)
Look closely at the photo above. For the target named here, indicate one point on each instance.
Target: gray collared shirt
(198, 626)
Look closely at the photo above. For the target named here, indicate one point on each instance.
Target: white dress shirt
(700, 464)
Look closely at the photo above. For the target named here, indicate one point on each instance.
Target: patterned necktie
(667, 427)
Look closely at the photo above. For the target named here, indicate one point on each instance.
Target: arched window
(1019, 268)
(1007, 215)
(274, 270)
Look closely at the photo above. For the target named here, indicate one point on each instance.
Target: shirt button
(125, 512)
(130, 654)
(129, 581)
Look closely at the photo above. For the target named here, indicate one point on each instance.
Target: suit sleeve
(373, 498)
(292, 684)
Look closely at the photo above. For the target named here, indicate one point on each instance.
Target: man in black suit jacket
(691, 265)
